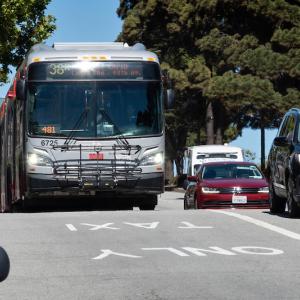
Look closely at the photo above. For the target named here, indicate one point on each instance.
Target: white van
(197, 155)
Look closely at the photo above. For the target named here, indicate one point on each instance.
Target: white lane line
(288, 233)
(189, 225)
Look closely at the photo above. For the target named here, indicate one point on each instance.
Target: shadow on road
(70, 205)
(280, 215)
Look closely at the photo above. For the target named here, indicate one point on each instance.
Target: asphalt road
(87, 253)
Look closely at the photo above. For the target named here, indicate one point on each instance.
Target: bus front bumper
(47, 185)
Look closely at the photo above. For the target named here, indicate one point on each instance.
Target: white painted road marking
(71, 227)
(151, 225)
(107, 252)
(288, 233)
(216, 250)
(189, 225)
(248, 250)
(97, 227)
(173, 250)
(257, 250)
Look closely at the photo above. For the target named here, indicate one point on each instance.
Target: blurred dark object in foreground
(4, 264)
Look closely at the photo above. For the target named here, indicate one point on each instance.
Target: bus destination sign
(94, 70)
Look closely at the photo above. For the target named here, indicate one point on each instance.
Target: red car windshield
(229, 171)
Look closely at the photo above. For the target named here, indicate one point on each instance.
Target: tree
(249, 155)
(22, 24)
(155, 23)
(230, 60)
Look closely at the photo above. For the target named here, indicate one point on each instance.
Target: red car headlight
(209, 190)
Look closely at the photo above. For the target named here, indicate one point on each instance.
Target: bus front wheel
(4, 206)
(148, 203)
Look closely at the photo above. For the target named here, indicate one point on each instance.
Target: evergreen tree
(234, 63)
(22, 24)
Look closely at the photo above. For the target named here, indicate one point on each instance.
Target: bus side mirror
(21, 89)
(169, 91)
(169, 100)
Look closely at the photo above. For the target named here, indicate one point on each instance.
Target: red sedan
(227, 184)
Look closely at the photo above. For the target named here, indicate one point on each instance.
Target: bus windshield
(92, 109)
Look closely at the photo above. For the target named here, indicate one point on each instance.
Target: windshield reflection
(108, 109)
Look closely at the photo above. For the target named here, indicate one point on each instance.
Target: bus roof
(214, 148)
(90, 51)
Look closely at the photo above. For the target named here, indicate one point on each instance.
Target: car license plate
(96, 156)
(239, 199)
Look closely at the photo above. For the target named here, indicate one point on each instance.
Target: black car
(284, 166)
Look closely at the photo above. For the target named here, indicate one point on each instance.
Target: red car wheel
(195, 202)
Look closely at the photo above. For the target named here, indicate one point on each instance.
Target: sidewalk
(174, 188)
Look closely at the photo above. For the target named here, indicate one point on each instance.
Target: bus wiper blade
(82, 117)
(75, 127)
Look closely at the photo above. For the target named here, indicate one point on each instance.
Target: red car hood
(240, 182)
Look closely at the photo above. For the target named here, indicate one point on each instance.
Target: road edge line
(263, 224)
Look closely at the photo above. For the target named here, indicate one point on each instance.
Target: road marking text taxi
(150, 225)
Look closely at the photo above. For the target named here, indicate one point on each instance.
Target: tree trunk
(210, 138)
(262, 142)
(198, 141)
(219, 122)
(168, 171)
(219, 136)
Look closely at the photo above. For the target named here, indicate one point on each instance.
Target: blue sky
(97, 21)
(82, 21)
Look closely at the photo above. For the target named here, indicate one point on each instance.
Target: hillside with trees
(234, 64)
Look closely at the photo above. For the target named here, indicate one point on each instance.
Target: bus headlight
(153, 159)
(38, 160)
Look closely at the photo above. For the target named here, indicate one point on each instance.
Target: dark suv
(284, 166)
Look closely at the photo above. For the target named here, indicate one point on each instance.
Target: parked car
(227, 184)
(284, 166)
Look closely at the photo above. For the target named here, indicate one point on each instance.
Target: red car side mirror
(192, 178)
